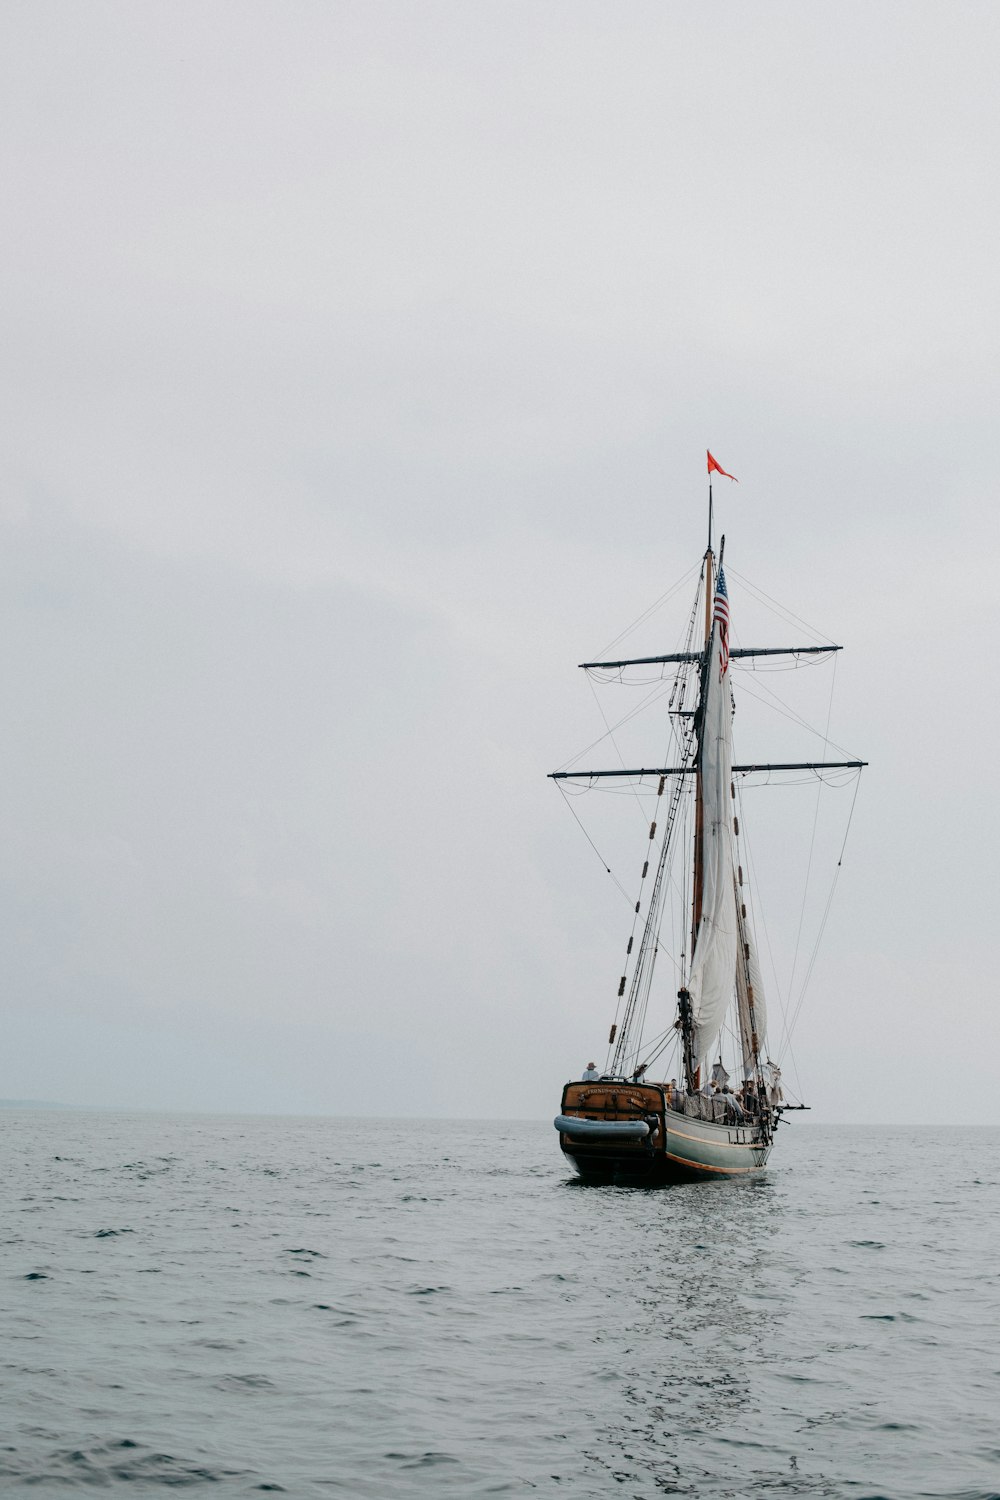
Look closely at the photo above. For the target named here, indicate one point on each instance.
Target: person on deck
(733, 1106)
(590, 1073)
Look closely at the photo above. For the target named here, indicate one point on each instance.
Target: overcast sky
(359, 362)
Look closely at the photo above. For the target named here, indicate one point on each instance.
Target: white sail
(750, 987)
(713, 965)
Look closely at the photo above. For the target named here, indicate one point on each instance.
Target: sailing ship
(616, 1124)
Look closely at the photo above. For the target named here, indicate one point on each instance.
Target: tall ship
(687, 1090)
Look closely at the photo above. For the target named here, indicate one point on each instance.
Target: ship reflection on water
(705, 1402)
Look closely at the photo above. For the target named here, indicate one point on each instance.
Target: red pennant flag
(719, 469)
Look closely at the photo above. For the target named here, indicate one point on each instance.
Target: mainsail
(713, 963)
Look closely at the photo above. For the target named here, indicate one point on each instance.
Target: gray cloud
(359, 365)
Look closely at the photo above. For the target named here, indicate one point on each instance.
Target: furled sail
(713, 963)
(751, 1003)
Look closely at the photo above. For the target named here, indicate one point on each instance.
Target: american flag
(722, 619)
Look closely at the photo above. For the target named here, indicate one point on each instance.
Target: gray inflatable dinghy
(602, 1130)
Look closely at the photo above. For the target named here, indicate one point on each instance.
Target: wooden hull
(680, 1148)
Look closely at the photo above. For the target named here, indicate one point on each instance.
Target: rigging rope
(610, 735)
(625, 1042)
(657, 692)
(779, 707)
(651, 610)
(593, 846)
(812, 840)
(779, 609)
(822, 928)
(629, 1038)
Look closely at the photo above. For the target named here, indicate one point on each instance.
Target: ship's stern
(612, 1131)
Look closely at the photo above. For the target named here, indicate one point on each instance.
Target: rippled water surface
(424, 1309)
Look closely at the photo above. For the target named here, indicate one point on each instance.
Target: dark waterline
(423, 1309)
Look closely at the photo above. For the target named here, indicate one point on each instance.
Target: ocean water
(415, 1309)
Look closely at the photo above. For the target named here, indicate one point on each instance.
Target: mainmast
(699, 804)
(697, 893)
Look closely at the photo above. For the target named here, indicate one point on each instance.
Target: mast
(709, 510)
(699, 806)
(687, 1021)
